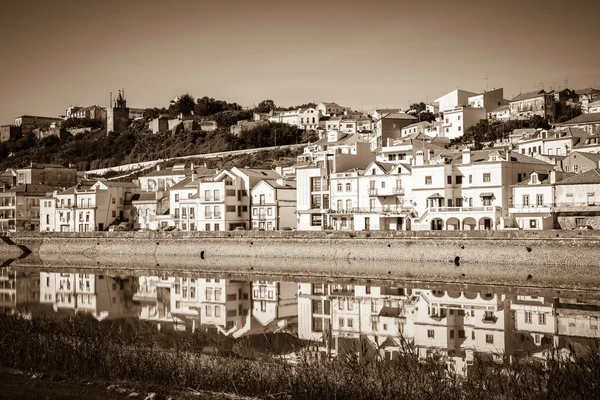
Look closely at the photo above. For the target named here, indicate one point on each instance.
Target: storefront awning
(486, 194)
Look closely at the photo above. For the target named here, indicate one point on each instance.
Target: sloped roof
(167, 172)
(500, 109)
(590, 177)
(586, 91)
(182, 184)
(529, 95)
(146, 196)
(27, 188)
(260, 173)
(120, 184)
(398, 115)
(584, 118)
(418, 124)
(483, 156)
(590, 156)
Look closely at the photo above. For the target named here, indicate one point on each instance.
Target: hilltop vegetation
(97, 149)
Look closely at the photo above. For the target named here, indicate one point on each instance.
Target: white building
(454, 99)
(532, 201)
(273, 205)
(89, 206)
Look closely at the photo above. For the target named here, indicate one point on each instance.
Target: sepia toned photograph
(274, 200)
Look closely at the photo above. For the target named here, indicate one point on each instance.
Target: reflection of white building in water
(99, 295)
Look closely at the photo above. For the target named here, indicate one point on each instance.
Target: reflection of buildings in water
(235, 308)
(535, 324)
(99, 295)
(153, 297)
(275, 304)
(18, 290)
(448, 325)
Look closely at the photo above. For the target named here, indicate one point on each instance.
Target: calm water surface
(328, 317)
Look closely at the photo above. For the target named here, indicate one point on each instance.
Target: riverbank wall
(563, 248)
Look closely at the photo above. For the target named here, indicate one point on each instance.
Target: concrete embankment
(564, 248)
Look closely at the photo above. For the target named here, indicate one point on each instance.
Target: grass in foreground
(79, 347)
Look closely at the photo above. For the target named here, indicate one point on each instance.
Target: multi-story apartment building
(304, 118)
(163, 178)
(468, 191)
(501, 113)
(88, 206)
(526, 105)
(331, 109)
(577, 200)
(454, 99)
(375, 198)
(389, 126)
(46, 174)
(533, 199)
(557, 142)
(217, 203)
(273, 204)
(458, 119)
(588, 122)
(489, 100)
(580, 162)
(20, 207)
(404, 150)
(418, 127)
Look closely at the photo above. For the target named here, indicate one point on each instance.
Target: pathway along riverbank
(543, 248)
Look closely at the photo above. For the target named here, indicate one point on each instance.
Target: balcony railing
(399, 209)
(211, 198)
(212, 215)
(394, 191)
(464, 209)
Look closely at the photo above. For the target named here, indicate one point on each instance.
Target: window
(532, 223)
(341, 322)
(486, 177)
(528, 317)
(217, 311)
(430, 333)
(525, 200)
(487, 201)
(316, 220)
(542, 318)
(315, 184)
(579, 221)
(451, 333)
(269, 211)
(348, 187)
(114, 214)
(208, 294)
(208, 310)
(350, 323)
(428, 180)
(459, 179)
(461, 333)
(470, 178)
(449, 179)
(339, 187)
(489, 339)
(539, 200)
(317, 325)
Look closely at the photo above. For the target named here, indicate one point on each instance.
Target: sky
(361, 54)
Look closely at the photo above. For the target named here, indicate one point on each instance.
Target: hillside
(96, 149)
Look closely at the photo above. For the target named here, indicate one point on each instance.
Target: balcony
(463, 218)
(216, 215)
(207, 199)
(394, 191)
(395, 209)
(530, 209)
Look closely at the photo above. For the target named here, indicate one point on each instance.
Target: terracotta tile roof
(590, 177)
(529, 95)
(584, 118)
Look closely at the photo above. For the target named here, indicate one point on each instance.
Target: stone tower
(117, 115)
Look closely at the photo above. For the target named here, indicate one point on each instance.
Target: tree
(419, 110)
(185, 104)
(265, 106)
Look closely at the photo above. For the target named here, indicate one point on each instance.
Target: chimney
(556, 175)
(158, 167)
(466, 156)
(419, 158)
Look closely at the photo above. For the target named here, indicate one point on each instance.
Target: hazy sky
(360, 54)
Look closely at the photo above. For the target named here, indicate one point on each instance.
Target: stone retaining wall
(565, 251)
